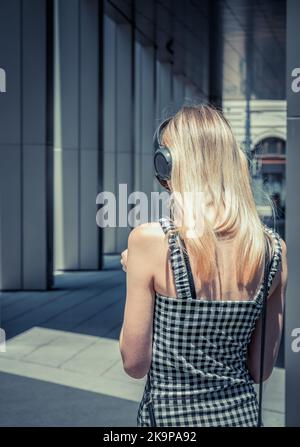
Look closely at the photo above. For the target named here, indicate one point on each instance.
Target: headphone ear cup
(163, 163)
(162, 155)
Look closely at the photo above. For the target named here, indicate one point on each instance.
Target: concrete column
(118, 123)
(292, 313)
(144, 118)
(164, 104)
(26, 145)
(77, 154)
(179, 90)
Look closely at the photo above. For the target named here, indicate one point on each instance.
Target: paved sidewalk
(62, 365)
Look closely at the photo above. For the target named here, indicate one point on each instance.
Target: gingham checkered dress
(198, 373)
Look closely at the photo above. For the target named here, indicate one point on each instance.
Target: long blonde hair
(206, 158)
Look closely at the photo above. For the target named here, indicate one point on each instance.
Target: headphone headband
(157, 135)
(162, 155)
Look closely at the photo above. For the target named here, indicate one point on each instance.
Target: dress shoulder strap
(179, 263)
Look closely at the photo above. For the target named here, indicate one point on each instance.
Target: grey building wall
(107, 96)
(25, 146)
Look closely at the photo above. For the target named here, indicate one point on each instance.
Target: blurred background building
(87, 82)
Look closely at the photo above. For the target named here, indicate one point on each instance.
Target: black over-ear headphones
(162, 156)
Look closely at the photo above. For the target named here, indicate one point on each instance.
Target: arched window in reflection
(270, 156)
(270, 146)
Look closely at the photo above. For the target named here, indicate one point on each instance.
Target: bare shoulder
(146, 234)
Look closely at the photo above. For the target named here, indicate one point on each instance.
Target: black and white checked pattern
(198, 373)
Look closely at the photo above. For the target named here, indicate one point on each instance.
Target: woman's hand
(124, 259)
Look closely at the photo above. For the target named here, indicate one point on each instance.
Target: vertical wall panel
(138, 117)
(179, 90)
(89, 124)
(118, 122)
(11, 218)
(90, 250)
(77, 159)
(147, 121)
(109, 123)
(144, 118)
(24, 186)
(124, 119)
(66, 135)
(34, 153)
(10, 147)
(164, 100)
(10, 50)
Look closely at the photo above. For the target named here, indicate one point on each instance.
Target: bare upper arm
(274, 323)
(136, 349)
